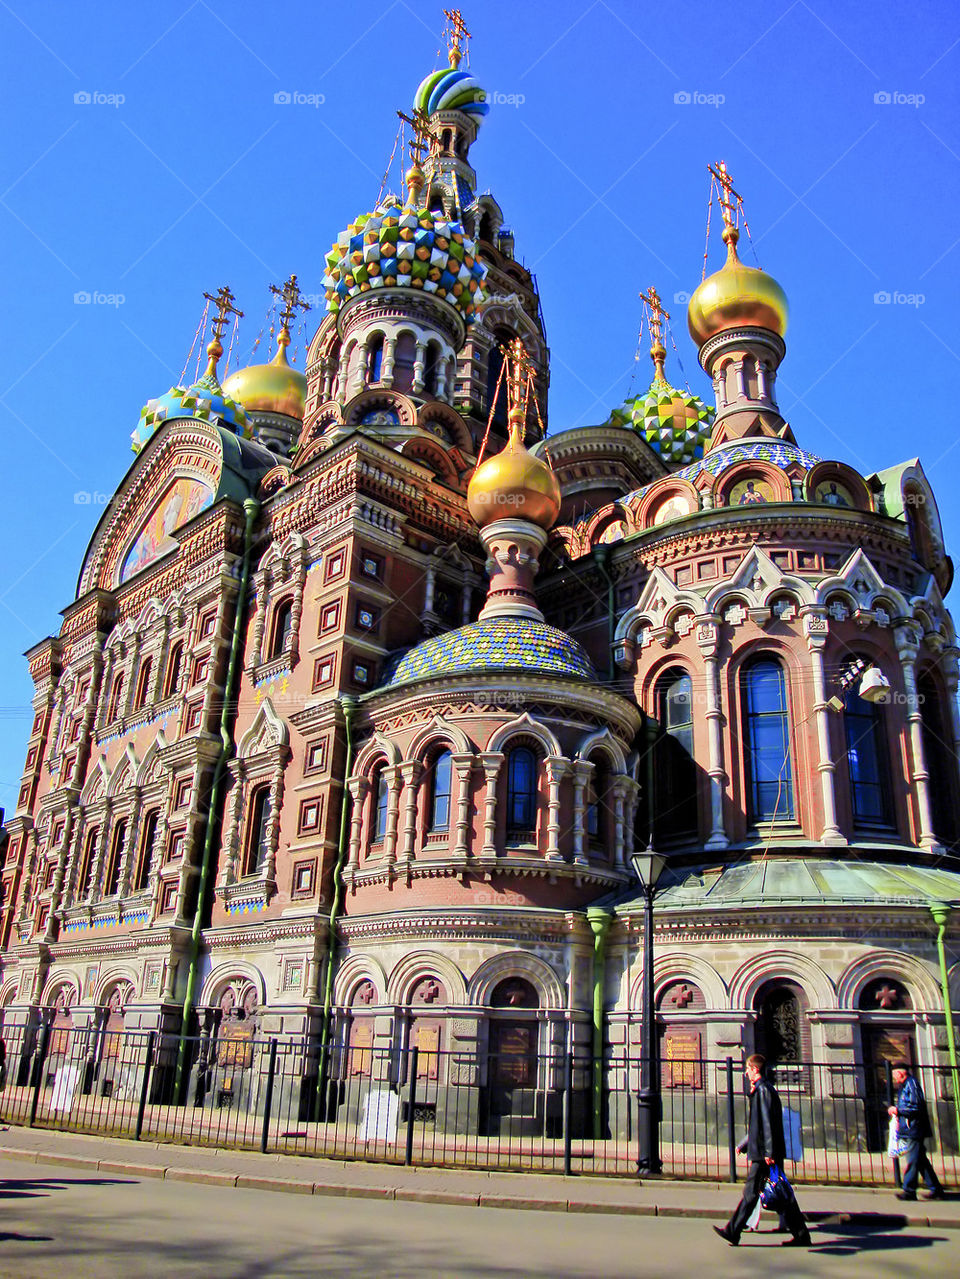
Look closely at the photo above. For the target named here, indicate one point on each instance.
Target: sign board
(64, 1086)
(681, 1067)
(379, 1115)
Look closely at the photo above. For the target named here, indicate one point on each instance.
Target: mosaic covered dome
(498, 644)
(206, 401)
(451, 90)
(398, 247)
(676, 424)
(736, 296)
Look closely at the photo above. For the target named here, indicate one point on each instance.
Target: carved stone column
(908, 646)
(631, 800)
(410, 771)
(618, 786)
(358, 787)
(418, 367)
(491, 764)
(708, 638)
(389, 356)
(581, 777)
(815, 626)
(463, 767)
(557, 767)
(392, 774)
(951, 674)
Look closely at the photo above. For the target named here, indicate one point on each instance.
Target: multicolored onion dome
(451, 90)
(676, 424)
(206, 401)
(513, 484)
(270, 388)
(398, 247)
(734, 297)
(497, 644)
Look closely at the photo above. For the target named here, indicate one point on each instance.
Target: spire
(456, 31)
(223, 300)
(655, 317)
(293, 301)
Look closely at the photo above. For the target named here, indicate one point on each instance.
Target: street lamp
(647, 867)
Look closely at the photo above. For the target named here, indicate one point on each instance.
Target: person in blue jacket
(913, 1128)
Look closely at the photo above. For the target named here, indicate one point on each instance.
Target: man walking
(764, 1146)
(913, 1128)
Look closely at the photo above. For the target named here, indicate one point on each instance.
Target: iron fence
(496, 1110)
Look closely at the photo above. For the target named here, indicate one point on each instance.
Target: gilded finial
(223, 300)
(730, 202)
(422, 138)
(456, 32)
(290, 294)
(655, 317)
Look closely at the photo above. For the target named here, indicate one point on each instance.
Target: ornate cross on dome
(455, 33)
(223, 300)
(422, 134)
(292, 300)
(728, 206)
(655, 318)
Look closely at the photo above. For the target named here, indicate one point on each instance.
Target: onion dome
(270, 388)
(206, 401)
(495, 644)
(734, 297)
(451, 90)
(676, 424)
(513, 484)
(405, 247)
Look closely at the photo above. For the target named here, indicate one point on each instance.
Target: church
(375, 695)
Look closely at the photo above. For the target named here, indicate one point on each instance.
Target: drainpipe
(599, 921)
(251, 509)
(601, 557)
(348, 707)
(941, 913)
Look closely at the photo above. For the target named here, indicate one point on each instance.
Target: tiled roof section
(499, 644)
(775, 451)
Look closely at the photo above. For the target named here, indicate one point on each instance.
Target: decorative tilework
(676, 424)
(205, 400)
(500, 644)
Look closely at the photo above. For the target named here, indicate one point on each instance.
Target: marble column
(410, 771)
(463, 767)
(708, 638)
(815, 627)
(491, 764)
(557, 767)
(907, 639)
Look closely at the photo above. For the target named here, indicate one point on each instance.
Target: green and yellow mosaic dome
(517, 644)
(404, 247)
(676, 424)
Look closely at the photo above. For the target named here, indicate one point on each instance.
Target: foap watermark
(681, 297)
(886, 297)
(86, 498)
(85, 298)
(294, 98)
(502, 499)
(499, 99)
(894, 98)
(94, 98)
(695, 98)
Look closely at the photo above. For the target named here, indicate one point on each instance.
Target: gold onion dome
(276, 387)
(514, 484)
(734, 297)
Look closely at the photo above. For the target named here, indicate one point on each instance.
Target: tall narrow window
(143, 684)
(521, 791)
(870, 790)
(258, 831)
(766, 736)
(375, 359)
(86, 863)
(142, 872)
(431, 367)
(282, 623)
(111, 879)
(383, 804)
(172, 679)
(440, 792)
(597, 801)
(675, 816)
(116, 696)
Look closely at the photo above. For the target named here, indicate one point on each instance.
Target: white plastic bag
(893, 1139)
(753, 1221)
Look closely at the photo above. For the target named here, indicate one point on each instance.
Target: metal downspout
(251, 509)
(941, 914)
(599, 921)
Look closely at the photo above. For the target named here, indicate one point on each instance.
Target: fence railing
(497, 1110)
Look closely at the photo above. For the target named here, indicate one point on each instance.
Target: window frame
(785, 806)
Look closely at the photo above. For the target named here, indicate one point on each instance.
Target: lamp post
(648, 866)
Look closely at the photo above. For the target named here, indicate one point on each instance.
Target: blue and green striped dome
(450, 90)
(516, 644)
(205, 400)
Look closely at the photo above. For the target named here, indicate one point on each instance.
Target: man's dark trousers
(756, 1179)
(917, 1166)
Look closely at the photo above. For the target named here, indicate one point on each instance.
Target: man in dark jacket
(913, 1128)
(764, 1147)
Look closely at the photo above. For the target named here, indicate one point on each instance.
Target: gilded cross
(655, 313)
(728, 205)
(223, 300)
(456, 33)
(292, 300)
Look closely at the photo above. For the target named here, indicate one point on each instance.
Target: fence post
(145, 1085)
(268, 1097)
(411, 1102)
(897, 1178)
(567, 1090)
(38, 1064)
(731, 1122)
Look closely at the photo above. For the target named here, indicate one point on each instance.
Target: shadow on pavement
(6, 1235)
(33, 1188)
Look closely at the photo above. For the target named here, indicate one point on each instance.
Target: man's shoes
(724, 1233)
(905, 1197)
(935, 1194)
(798, 1241)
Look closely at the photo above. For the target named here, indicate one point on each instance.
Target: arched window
(258, 831)
(870, 790)
(675, 816)
(597, 801)
(375, 359)
(142, 871)
(86, 863)
(781, 1030)
(431, 367)
(440, 792)
(766, 737)
(116, 696)
(172, 678)
(521, 791)
(940, 757)
(382, 794)
(282, 623)
(143, 684)
(111, 880)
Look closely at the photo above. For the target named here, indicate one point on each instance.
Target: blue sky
(147, 159)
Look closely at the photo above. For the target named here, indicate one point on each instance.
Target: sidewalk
(115, 1156)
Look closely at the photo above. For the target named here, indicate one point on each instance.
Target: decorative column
(631, 800)
(358, 787)
(815, 626)
(581, 776)
(418, 367)
(463, 766)
(392, 774)
(907, 639)
(557, 768)
(618, 786)
(512, 547)
(410, 771)
(708, 638)
(491, 764)
(389, 356)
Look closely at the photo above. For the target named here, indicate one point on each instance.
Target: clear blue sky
(198, 178)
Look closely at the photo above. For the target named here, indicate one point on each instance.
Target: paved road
(82, 1226)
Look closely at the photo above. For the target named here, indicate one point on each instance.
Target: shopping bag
(893, 1139)
(777, 1192)
(753, 1221)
